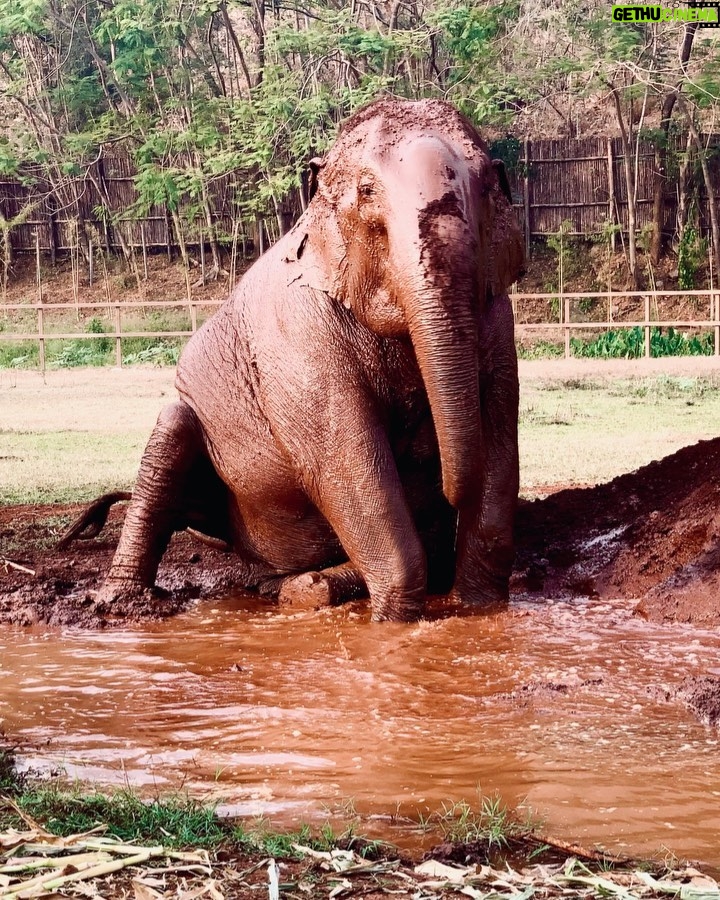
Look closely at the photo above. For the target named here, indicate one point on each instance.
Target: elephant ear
(314, 167)
(507, 242)
(306, 258)
(502, 178)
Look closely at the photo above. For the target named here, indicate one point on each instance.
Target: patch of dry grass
(586, 430)
(76, 434)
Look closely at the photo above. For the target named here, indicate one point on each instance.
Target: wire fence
(567, 315)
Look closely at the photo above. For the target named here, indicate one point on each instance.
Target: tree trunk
(661, 154)
(712, 205)
(625, 138)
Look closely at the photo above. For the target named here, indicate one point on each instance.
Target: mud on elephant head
(351, 410)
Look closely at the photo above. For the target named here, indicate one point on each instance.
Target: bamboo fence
(580, 181)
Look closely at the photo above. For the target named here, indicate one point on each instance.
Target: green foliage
(152, 350)
(508, 150)
(19, 354)
(76, 354)
(73, 354)
(490, 822)
(692, 252)
(95, 326)
(251, 91)
(540, 350)
(10, 781)
(629, 343)
(569, 260)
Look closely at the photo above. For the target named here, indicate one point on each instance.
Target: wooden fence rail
(562, 325)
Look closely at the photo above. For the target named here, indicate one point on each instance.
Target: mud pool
(554, 705)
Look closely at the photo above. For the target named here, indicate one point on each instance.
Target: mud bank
(57, 587)
(652, 535)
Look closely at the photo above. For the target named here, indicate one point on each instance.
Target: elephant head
(410, 227)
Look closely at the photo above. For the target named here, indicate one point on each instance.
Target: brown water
(550, 704)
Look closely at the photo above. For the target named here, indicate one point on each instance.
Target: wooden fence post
(526, 196)
(647, 326)
(193, 317)
(118, 340)
(144, 250)
(41, 336)
(611, 194)
(567, 330)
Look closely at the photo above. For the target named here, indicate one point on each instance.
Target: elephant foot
(399, 610)
(127, 599)
(482, 587)
(329, 587)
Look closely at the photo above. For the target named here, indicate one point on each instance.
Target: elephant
(351, 409)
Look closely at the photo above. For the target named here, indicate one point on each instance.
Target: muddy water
(556, 705)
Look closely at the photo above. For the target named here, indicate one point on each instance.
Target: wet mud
(574, 709)
(41, 584)
(652, 535)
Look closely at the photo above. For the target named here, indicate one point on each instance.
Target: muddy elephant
(355, 398)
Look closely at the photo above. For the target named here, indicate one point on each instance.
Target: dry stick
(712, 207)
(183, 252)
(28, 889)
(582, 852)
(13, 565)
(55, 862)
(106, 279)
(144, 250)
(233, 252)
(38, 282)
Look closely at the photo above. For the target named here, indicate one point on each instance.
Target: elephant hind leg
(328, 587)
(159, 501)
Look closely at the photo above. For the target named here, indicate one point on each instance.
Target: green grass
(541, 350)
(64, 466)
(100, 351)
(490, 822)
(589, 431)
(177, 821)
(78, 435)
(181, 821)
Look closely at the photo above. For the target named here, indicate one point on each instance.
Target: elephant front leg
(357, 488)
(157, 505)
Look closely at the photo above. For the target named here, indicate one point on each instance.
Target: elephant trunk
(446, 350)
(439, 252)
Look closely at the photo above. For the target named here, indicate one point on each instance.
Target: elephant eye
(366, 190)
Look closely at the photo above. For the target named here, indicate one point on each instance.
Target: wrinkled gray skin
(356, 396)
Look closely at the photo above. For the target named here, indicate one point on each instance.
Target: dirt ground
(93, 864)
